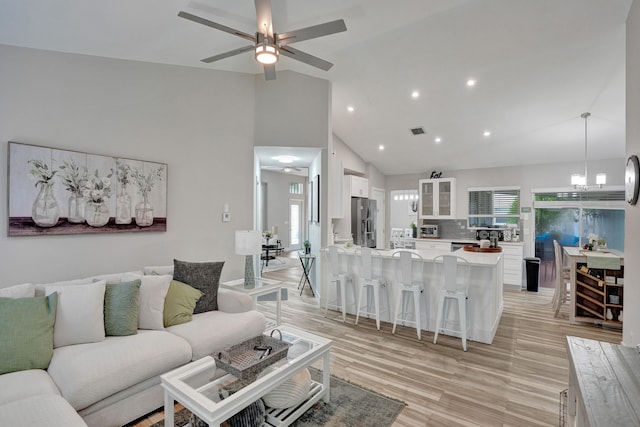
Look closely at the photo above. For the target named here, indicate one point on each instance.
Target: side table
(262, 287)
(307, 261)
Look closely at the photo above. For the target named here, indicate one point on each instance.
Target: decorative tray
(248, 358)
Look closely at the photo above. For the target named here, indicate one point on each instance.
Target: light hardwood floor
(515, 381)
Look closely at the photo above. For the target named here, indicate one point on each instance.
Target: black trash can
(532, 267)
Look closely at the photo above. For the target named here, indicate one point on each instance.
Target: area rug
(350, 406)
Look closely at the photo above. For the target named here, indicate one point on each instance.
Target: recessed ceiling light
(350, 108)
(471, 82)
(287, 170)
(438, 140)
(285, 159)
(486, 133)
(380, 147)
(415, 94)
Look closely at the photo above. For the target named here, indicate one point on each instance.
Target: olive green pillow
(121, 308)
(179, 304)
(26, 332)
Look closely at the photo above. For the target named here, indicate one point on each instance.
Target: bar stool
(454, 288)
(406, 286)
(563, 273)
(367, 280)
(340, 278)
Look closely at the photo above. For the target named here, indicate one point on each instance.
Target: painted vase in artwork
(123, 208)
(45, 211)
(144, 212)
(76, 209)
(97, 214)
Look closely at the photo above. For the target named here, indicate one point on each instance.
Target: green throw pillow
(26, 332)
(121, 308)
(179, 304)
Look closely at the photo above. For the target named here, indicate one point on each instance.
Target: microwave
(428, 230)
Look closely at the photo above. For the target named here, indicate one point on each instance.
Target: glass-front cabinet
(437, 198)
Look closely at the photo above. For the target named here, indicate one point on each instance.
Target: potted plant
(267, 236)
(307, 247)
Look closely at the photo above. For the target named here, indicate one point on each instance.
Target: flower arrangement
(41, 172)
(74, 177)
(145, 182)
(267, 235)
(123, 173)
(97, 189)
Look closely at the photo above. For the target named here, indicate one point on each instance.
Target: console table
(604, 384)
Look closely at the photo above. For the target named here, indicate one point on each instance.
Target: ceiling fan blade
(270, 71)
(312, 32)
(217, 26)
(234, 52)
(263, 16)
(306, 58)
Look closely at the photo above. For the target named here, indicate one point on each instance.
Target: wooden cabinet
(512, 255)
(359, 186)
(437, 198)
(424, 245)
(599, 293)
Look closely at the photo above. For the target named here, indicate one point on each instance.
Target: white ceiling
(539, 64)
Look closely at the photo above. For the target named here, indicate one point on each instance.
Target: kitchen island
(485, 289)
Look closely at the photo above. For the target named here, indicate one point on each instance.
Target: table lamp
(249, 243)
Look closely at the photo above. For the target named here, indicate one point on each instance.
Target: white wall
(350, 160)
(631, 327)
(199, 122)
(292, 111)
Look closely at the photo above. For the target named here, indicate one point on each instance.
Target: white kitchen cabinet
(424, 245)
(337, 198)
(437, 198)
(512, 255)
(359, 186)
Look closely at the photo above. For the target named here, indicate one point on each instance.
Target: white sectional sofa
(116, 379)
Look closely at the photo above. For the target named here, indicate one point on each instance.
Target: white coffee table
(262, 287)
(199, 385)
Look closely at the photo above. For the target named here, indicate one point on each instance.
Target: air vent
(417, 131)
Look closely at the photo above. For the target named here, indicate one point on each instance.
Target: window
(496, 206)
(296, 188)
(571, 216)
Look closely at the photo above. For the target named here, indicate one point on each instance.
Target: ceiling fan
(268, 45)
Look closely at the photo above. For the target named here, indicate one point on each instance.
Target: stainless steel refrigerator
(363, 222)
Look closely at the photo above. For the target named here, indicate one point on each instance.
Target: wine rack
(599, 293)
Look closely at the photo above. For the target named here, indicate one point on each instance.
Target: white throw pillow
(26, 290)
(80, 313)
(155, 270)
(153, 291)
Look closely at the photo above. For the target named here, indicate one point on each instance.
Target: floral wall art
(54, 191)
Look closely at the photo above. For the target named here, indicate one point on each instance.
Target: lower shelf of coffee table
(285, 417)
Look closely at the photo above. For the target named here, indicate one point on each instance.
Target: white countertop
(485, 259)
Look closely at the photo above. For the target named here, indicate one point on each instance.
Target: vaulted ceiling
(538, 64)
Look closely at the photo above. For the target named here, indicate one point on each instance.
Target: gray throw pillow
(204, 276)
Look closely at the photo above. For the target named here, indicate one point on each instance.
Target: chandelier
(578, 181)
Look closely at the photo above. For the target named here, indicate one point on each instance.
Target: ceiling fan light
(267, 54)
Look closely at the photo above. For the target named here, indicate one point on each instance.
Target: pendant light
(578, 181)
